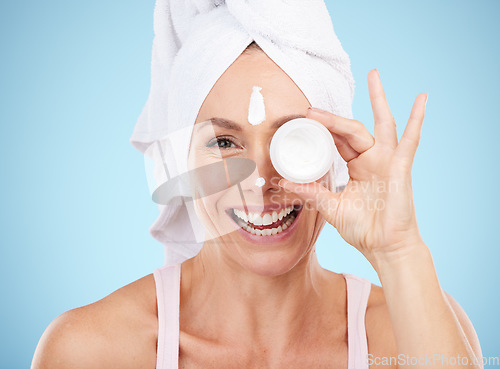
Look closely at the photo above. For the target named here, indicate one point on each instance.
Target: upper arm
(69, 342)
(466, 325)
(380, 335)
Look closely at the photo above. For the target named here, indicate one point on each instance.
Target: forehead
(230, 95)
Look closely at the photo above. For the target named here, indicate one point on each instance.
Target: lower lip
(275, 238)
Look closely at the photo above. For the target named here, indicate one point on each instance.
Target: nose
(264, 170)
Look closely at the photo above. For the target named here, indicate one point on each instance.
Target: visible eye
(222, 143)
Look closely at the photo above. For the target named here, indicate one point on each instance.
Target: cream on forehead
(256, 109)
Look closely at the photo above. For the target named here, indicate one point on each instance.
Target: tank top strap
(167, 280)
(358, 292)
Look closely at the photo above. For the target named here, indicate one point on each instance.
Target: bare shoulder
(118, 331)
(465, 323)
(379, 332)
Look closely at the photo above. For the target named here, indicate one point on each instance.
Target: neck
(222, 297)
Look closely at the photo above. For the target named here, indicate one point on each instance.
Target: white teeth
(241, 214)
(280, 216)
(266, 232)
(256, 219)
(267, 219)
(284, 212)
(274, 216)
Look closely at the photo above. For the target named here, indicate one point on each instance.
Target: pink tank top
(167, 279)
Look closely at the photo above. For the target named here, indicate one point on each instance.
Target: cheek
(211, 213)
(207, 174)
(209, 179)
(207, 213)
(211, 209)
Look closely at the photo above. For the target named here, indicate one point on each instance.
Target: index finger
(356, 134)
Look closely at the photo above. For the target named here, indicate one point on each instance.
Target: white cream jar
(302, 150)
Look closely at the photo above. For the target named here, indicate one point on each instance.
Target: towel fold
(195, 42)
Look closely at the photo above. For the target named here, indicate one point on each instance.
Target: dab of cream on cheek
(256, 108)
(259, 182)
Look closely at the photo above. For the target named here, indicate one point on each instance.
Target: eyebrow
(229, 124)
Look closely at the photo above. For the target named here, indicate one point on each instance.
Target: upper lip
(262, 209)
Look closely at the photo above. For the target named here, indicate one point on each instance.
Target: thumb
(316, 196)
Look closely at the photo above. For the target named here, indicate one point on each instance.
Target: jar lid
(302, 150)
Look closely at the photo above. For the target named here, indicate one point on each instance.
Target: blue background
(75, 208)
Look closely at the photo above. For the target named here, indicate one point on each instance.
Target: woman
(269, 304)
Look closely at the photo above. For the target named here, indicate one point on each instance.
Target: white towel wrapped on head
(195, 42)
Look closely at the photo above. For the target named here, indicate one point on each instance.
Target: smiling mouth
(267, 224)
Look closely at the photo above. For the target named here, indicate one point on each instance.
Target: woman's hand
(375, 211)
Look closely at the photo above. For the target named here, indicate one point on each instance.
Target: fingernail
(426, 97)
(317, 110)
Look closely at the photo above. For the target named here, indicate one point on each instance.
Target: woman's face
(279, 249)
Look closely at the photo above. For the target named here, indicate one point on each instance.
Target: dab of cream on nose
(260, 182)
(256, 109)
